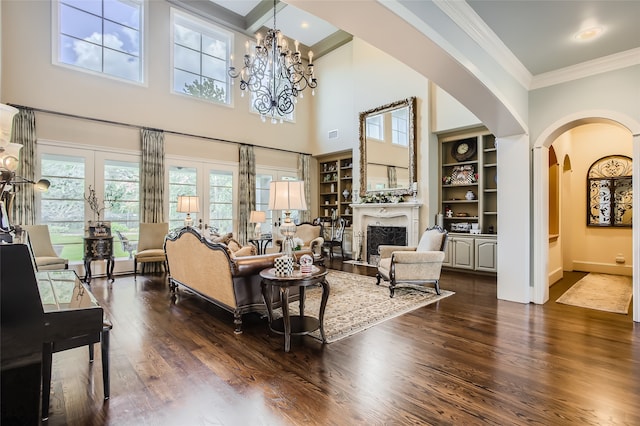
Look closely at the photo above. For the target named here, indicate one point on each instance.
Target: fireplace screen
(383, 235)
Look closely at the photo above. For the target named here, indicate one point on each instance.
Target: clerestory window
(201, 58)
(100, 36)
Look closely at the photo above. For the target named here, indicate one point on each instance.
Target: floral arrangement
(297, 243)
(381, 197)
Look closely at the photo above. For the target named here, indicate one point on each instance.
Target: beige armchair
(311, 236)
(45, 256)
(414, 265)
(151, 245)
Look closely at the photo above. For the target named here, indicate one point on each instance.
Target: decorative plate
(463, 150)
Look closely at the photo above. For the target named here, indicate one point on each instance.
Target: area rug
(611, 293)
(357, 303)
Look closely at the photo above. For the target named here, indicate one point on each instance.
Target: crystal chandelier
(274, 74)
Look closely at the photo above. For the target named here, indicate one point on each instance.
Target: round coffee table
(298, 324)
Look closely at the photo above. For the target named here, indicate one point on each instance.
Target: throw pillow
(224, 239)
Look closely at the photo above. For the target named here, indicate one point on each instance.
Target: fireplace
(383, 235)
(405, 215)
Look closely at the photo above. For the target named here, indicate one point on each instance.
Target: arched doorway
(541, 197)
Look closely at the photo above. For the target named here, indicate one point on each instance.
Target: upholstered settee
(311, 237)
(215, 273)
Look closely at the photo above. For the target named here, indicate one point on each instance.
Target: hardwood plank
(467, 359)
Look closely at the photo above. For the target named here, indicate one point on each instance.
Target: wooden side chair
(337, 239)
(151, 245)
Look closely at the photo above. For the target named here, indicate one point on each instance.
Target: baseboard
(555, 276)
(603, 268)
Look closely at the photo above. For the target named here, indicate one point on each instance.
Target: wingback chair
(414, 265)
(311, 236)
(45, 256)
(151, 245)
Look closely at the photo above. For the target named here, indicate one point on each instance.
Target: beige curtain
(24, 132)
(152, 176)
(247, 191)
(304, 174)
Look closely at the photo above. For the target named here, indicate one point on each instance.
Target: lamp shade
(287, 195)
(188, 204)
(257, 217)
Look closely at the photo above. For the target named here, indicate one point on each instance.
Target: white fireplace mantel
(384, 214)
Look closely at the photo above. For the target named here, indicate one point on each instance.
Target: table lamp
(287, 195)
(188, 204)
(257, 217)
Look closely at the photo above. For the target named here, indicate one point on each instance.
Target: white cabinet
(462, 249)
(471, 252)
(486, 250)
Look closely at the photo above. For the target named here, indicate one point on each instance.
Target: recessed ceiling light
(304, 24)
(588, 34)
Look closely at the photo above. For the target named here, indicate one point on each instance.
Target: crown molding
(586, 69)
(470, 22)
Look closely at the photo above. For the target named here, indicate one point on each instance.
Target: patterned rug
(611, 293)
(357, 303)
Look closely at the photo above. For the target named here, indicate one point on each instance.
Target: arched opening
(580, 141)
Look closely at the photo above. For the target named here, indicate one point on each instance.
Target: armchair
(45, 256)
(414, 265)
(311, 236)
(151, 245)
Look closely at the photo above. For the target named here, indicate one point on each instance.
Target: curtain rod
(135, 126)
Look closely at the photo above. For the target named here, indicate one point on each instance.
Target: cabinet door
(463, 253)
(486, 253)
(448, 254)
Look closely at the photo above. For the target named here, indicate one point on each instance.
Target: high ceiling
(539, 33)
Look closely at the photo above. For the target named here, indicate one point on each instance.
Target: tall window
(103, 36)
(62, 206)
(400, 126)
(115, 178)
(262, 200)
(221, 200)
(201, 53)
(122, 199)
(182, 181)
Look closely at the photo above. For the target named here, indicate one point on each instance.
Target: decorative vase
(345, 193)
(470, 195)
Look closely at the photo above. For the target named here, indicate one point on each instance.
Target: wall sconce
(188, 204)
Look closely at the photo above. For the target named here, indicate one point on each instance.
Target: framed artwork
(99, 229)
(610, 192)
(463, 175)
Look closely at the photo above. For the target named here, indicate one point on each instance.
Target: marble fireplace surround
(384, 214)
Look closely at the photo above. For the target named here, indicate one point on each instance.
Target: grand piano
(41, 313)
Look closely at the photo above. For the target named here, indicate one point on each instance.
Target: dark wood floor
(468, 359)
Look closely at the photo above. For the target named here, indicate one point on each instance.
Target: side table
(299, 324)
(261, 244)
(98, 248)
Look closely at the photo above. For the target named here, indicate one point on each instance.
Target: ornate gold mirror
(388, 147)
